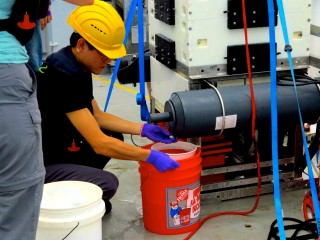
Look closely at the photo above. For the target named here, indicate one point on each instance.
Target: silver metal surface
(315, 62)
(243, 181)
(218, 196)
(242, 167)
(219, 71)
(315, 30)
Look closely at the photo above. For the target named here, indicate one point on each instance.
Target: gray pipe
(194, 113)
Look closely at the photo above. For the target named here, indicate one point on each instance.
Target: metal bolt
(190, 28)
(190, 12)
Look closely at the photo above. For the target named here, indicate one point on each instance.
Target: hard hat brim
(116, 52)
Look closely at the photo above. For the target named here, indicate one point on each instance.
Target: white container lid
(69, 194)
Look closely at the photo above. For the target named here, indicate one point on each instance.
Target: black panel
(129, 72)
(259, 58)
(164, 11)
(165, 51)
(256, 11)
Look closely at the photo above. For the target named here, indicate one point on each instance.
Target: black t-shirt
(64, 87)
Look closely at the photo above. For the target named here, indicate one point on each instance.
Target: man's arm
(80, 2)
(102, 144)
(113, 123)
(43, 8)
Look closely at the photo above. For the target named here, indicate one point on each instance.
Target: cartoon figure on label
(175, 212)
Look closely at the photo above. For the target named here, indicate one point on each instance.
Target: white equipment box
(205, 38)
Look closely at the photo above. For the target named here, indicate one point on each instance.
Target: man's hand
(157, 134)
(162, 161)
(44, 21)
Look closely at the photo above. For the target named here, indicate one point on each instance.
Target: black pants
(107, 181)
(88, 171)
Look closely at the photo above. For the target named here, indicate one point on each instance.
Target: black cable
(308, 228)
(297, 84)
(131, 136)
(301, 80)
(71, 231)
(134, 58)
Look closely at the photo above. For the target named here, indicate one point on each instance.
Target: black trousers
(89, 170)
(107, 181)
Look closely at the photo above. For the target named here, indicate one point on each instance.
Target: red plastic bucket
(171, 200)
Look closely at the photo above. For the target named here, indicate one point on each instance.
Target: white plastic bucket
(71, 210)
(177, 150)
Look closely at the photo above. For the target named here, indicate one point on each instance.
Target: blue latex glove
(162, 161)
(157, 134)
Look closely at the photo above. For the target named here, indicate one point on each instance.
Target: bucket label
(183, 205)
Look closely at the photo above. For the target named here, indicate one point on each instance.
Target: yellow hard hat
(101, 25)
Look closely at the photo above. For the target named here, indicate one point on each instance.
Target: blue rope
(288, 49)
(274, 121)
(313, 187)
(116, 67)
(140, 98)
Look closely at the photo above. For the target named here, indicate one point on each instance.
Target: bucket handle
(71, 231)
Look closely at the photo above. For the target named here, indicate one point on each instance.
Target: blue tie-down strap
(144, 112)
(117, 66)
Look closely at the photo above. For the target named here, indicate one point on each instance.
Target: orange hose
(253, 126)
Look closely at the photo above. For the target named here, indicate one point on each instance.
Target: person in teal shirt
(21, 158)
(34, 46)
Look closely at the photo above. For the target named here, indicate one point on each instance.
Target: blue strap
(116, 67)
(288, 49)
(312, 182)
(274, 121)
(140, 98)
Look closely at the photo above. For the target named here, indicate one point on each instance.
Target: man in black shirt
(75, 143)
